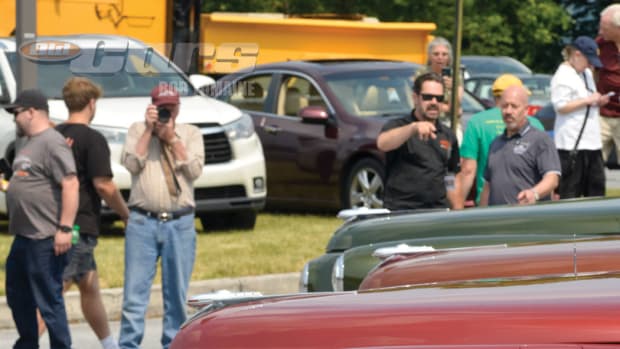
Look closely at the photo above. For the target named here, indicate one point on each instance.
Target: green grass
(612, 193)
(280, 243)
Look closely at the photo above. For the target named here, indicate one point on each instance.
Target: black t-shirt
(415, 171)
(92, 159)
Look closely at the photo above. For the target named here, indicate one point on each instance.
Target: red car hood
(508, 312)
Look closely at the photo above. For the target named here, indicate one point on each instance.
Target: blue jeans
(34, 279)
(146, 241)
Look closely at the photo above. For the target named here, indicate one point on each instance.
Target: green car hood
(591, 216)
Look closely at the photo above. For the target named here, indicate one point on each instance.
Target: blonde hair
(78, 92)
(568, 51)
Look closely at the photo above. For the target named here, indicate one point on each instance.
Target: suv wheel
(364, 185)
(243, 220)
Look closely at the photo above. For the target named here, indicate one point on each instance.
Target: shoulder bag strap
(583, 126)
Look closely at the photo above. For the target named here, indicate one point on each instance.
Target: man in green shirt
(481, 130)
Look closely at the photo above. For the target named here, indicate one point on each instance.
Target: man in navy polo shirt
(523, 165)
(422, 154)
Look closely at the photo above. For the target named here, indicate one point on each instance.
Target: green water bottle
(75, 234)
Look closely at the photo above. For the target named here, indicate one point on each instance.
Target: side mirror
(314, 114)
(201, 81)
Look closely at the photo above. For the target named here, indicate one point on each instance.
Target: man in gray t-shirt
(42, 199)
(523, 165)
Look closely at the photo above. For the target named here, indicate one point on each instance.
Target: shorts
(81, 258)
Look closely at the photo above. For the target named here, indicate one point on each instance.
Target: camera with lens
(163, 115)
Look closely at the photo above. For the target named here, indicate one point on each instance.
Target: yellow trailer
(234, 41)
(230, 41)
(143, 20)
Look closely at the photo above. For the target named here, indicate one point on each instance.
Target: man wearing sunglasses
(422, 155)
(42, 200)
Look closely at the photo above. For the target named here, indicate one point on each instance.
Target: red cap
(164, 94)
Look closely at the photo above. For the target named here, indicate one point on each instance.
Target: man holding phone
(422, 154)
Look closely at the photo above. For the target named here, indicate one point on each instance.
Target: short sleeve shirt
(415, 171)
(481, 130)
(518, 163)
(34, 197)
(92, 159)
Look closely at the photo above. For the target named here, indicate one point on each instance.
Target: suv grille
(231, 191)
(217, 147)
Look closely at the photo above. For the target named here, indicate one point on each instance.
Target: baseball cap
(589, 48)
(504, 81)
(29, 99)
(164, 94)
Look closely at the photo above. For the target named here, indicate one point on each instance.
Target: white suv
(232, 187)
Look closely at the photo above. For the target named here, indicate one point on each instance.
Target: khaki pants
(610, 135)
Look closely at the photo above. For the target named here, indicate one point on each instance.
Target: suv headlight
(338, 274)
(113, 135)
(242, 128)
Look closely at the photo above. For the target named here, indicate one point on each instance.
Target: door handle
(271, 129)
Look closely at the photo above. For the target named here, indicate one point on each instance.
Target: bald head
(514, 108)
(516, 92)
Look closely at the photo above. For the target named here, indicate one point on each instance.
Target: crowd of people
(61, 174)
(504, 154)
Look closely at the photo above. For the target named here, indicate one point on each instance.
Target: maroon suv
(318, 122)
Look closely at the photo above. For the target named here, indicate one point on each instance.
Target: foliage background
(533, 31)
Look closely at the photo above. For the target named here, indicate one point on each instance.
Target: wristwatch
(65, 228)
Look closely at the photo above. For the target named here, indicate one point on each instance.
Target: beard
(512, 124)
(431, 117)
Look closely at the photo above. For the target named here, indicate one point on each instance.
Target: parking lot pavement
(83, 337)
(613, 179)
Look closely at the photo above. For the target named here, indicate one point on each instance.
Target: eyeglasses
(427, 97)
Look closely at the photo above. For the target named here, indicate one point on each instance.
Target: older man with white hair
(609, 77)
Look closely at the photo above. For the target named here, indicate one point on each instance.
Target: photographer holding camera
(164, 158)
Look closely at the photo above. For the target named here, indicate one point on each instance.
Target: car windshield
(142, 70)
(540, 86)
(470, 104)
(373, 93)
(494, 65)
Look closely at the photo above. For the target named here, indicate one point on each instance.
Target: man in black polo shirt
(523, 165)
(422, 154)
